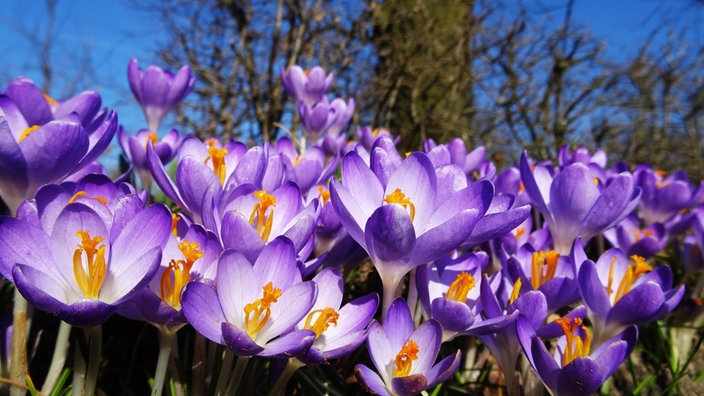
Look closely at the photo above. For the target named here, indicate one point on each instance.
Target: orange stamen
(398, 197)
(633, 272)
(516, 291)
(263, 220)
(576, 345)
(324, 194)
(543, 267)
(460, 287)
(326, 317)
(178, 273)
(89, 281)
(27, 132)
(82, 193)
(257, 313)
(217, 155)
(404, 359)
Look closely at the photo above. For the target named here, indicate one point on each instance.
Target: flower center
(262, 216)
(404, 359)
(217, 156)
(398, 197)
(639, 234)
(633, 272)
(543, 267)
(91, 278)
(151, 137)
(578, 339)
(178, 273)
(27, 132)
(174, 222)
(325, 318)
(463, 283)
(324, 194)
(82, 193)
(256, 314)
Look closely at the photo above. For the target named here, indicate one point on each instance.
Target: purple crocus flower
(158, 91)
(80, 270)
(192, 256)
(253, 307)
(404, 356)
(135, 149)
(317, 118)
(663, 196)
(630, 238)
(575, 368)
(573, 204)
(306, 87)
(338, 330)
(43, 141)
(399, 217)
(308, 168)
(621, 291)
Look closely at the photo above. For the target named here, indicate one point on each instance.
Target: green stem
(95, 342)
(58, 360)
(18, 357)
(237, 375)
(292, 366)
(225, 369)
(166, 338)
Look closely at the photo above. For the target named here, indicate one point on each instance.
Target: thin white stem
(58, 360)
(292, 366)
(237, 375)
(95, 342)
(79, 372)
(165, 342)
(18, 357)
(225, 370)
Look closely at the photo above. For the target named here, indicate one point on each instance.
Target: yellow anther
(217, 156)
(178, 273)
(404, 359)
(633, 272)
(325, 318)
(50, 100)
(324, 194)
(174, 223)
(516, 291)
(82, 193)
(398, 197)
(543, 267)
(263, 214)
(520, 231)
(576, 345)
(460, 287)
(27, 132)
(89, 279)
(257, 313)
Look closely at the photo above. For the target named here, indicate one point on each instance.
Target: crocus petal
(29, 100)
(545, 366)
(592, 290)
(639, 304)
(379, 347)
(410, 385)
(362, 185)
(398, 324)
(237, 285)
(21, 243)
(289, 344)
(277, 263)
(612, 205)
(532, 189)
(200, 305)
(581, 377)
(370, 380)
(239, 341)
(415, 177)
(13, 168)
(442, 371)
(294, 303)
(389, 233)
(440, 240)
(452, 315)
(428, 337)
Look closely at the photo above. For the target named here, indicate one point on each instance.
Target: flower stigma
(82, 193)
(578, 339)
(259, 215)
(91, 280)
(543, 267)
(217, 155)
(324, 194)
(325, 317)
(256, 314)
(463, 283)
(178, 273)
(404, 359)
(633, 272)
(398, 197)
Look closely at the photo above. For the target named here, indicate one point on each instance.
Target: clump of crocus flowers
(255, 249)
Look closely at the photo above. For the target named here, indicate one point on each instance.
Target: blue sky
(114, 31)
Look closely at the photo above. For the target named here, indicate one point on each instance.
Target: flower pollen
(516, 291)
(89, 281)
(463, 283)
(256, 314)
(325, 317)
(398, 197)
(633, 272)
(263, 214)
(324, 194)
(404, 359)
(543, 267)
(178, 273)
(578, 339)
(217, 155)
(82, 193)
(27, 132)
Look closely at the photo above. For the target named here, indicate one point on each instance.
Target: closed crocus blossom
(135, 149)
(253, 307)
(44, 141)
(398, 216)
(620, 291)
(577, 367)
(404, 356)
(574, 203)
(158, 91)
(80, 271)
(304, 86)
